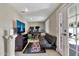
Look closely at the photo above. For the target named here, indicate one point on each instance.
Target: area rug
(28, 50)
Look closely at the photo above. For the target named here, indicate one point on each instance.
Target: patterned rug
(28, 49)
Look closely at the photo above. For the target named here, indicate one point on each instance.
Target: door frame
(70, 5)
(65, 51)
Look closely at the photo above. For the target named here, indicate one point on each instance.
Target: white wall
(54, 27)
(7, 15)
(41, 24)
(51, 23)
(47, 26)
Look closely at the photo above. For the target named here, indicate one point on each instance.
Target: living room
(12, 18)
(36, 36)
(29, 29)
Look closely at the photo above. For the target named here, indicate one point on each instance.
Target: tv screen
(20, 26)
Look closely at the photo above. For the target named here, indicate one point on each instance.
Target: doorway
(73, 29)
(62, 42)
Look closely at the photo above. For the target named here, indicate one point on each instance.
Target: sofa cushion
(50, 39)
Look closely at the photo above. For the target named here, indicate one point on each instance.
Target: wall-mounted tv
(20, 26)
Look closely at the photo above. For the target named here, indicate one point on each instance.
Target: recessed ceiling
(35, 11)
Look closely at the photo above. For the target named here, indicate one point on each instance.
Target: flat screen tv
(20, 26)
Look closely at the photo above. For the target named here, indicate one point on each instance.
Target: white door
(73, 29)
(60, 33)
(62, 37)
(1, 42)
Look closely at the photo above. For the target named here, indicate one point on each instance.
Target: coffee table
(30, 41)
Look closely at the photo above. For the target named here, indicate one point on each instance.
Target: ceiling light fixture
(31, 18)
(26, 10)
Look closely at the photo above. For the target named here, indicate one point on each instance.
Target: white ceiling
(36, 11)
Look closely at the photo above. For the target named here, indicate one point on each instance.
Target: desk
(30, 41)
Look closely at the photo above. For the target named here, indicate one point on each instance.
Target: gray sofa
(48, 41)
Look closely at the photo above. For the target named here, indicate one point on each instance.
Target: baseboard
(59, 53)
